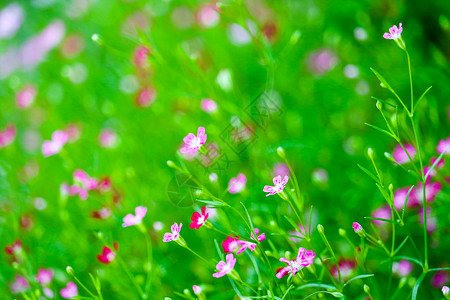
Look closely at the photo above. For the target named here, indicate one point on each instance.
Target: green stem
(149, 263)
(410, 82)
(133, 280)
(84, 287)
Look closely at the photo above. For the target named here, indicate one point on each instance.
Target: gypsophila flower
(230, 244)
(237, 184)
(400, 155)
(108, 255)
(168, 237)
(44, 276)
(245, 244)
(19, 285)
(445, 290)
(192, 143)
(130, 219)
(444, 146)
(197, 290)
(225, 267)
(396, 35)
(279, 185)
(53, 146)
(359, 229)
(70, 291)
(304, 259)
(198, 219)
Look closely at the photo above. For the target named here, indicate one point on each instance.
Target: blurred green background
(320, 86)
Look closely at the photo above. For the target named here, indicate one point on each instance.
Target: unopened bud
(337, 294)
(294, 37)
(446, 291)
(70, 271)
(370, 153)
(97, 39)
(367, 289)
(186, 292)
(281, 152)
(359, 230)
(379, 105)
(320, 228)
(171, 164)
(391, 187)
(389, 156)
(383, 85)
(342, 232)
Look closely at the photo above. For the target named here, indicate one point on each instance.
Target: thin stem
(410, 82)
(84, 287)
(425, 234)
(133, 280)
(196, 254)
(149, 263)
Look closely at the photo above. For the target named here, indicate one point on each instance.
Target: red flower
(198, 220)
(14, 248)
(107, 256)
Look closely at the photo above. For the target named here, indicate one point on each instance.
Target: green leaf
(401, 245)
(213, 203)
(434, 165)
(421, 97)
(416, 286)
(316, 285)
(379, 129)
(408, 258)
(294, 225)
(381, 78)
(359, 277)
(406, 200)
(438, 269)
(380, 219)
(368, 172)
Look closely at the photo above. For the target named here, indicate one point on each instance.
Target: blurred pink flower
(7, 136)
(346, 268)
(431, 190)
(402, 268)
(382, 213)
(70, 291)
(400, 198)
(140, 56)
(14, 249)
(208, 16)
(72, 45)
(19, 285)
(130, 219)
(146, 96)
(322, 61)
(279, 185)
(103, 213)
(400, 156)
(230, 244)
(11, 18)
(281, 169)
(82, 178)
(108, 138)
(197, 290)
(445, 290)
(208, 105)
(73, 133)
(357, 227)
(439, 278)
(237, 184)
(304, 259)
(44, 276)
(225, 267)
(431, 220)
(394, 32)
(108, 255)
(439, 165)
(198, 220)
(245, 244)
(192, 143)
(52, 147)
(174, 235)
(25, 97)
(444, 146)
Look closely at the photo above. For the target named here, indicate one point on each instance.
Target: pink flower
(15, 248)
(146, 96)
(207, 16)
(168, 237)
(431, 190)
(108, 255)
(104, 185)
(130, 219)
(26, 96)
(382, 213)
(19, 285)
(444, 146)
(439, 278)
(304, 259)
(225, 267)
(394, 32)
(208, 105)
(44, 276)
(322, 61)
(346, 268)
(7, 136)
(431, 220)
(197, 290)
(192, 143)
(52, 147)
(140, 56)
(357, 227)
(279, 185)
(70, 291)
(73, 133)
(230, 244)
(108, 138)
(402, 268)
(245, 244)
(281, 169)
(400, 198)
(445, 290)
(198, 220)
(400, 155)
(237, 184)
(439, 165)
(81, 177)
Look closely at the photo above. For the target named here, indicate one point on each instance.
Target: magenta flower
(394, 32)
(146, 96)
(70, 291)
(400, 156)
(108, 255)
(402, 268)
(44, 276)
(281, 169)
(357, 227)
(130, 219)
(192, 143)
(174, 235)
(19, 285)
(7, 136)
(225, 267)
(304, 259)
(279, 185)
(197, 290)
(237, 184)
(400, 198)
(108, 138)
(245, 244)
(26, 96)
(198, 220)
(431, 190)
(439, 278)
(208, 105)
(382, 213)
(230, 244)
(444, 146)
(52, 147)
(140, 56)
(346, 267)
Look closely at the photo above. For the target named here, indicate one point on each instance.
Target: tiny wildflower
(402, 268)
(44, 276)
(19, 285)
(174, 235)
(192, 143)
(102, 213)
(209, 106)
(304, 259)
(230, 244)
(7, 136)
(70, 291)
(400, 155)
(444, 146)
(359, 229)
(198, 220)
(108, 255)
(225, 267)
(237, 184)
(279, 185)
(396, 35)
(346, 268)
(26, 96)
(245, 244)
(445, 291)
(108, 138)
(197, 290)
(130, 219)
(52, 147)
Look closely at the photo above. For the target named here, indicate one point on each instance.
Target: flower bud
(383, 85)
(320, 228)
(97, 39)
(367, 289)
(379, 105)
(281, 152)
(445, 290)
(337, 294)
(70, 271)
(342, 232)
(370, 153)
(171, 164)
(359, 229)
(389, 156)
(391, 187)
(294, 37)
(197, 289)
(186, 292)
